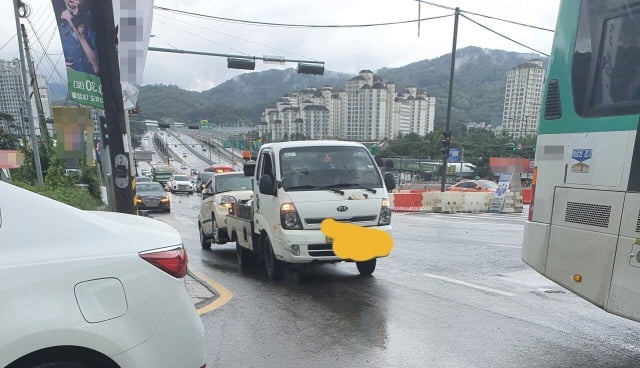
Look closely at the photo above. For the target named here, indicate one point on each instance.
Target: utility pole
(44, 133)
(120, 160)
(447, 132)
(27, 101)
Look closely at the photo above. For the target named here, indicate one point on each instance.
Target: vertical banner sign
(498, 198)
(78, 38)
(133, 19)
(70, 124)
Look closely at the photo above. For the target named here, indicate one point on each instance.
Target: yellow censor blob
(356, 242)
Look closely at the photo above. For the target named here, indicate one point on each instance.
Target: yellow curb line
(224, 294)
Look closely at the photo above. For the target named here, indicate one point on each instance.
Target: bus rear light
(534, 180)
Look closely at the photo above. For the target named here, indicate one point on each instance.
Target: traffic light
(241, 63)
(446, 143)
(311, 68)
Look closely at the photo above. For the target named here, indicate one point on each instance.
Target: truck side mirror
(266, 185)
(249, 169)
(389, 181)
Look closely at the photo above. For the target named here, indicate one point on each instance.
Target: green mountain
(478, 94)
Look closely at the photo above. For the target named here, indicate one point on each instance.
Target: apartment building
(522, 99)
(367, 110)
(12, 99)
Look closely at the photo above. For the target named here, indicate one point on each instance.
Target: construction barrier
(406, 202)
(452, 202)
(526, 195)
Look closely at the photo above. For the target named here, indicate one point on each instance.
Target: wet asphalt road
(452, 293)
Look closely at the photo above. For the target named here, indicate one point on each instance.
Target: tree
(8, 141)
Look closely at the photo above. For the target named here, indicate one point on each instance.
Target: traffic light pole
(447, 133)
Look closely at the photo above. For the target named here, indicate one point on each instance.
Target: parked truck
(296, 186)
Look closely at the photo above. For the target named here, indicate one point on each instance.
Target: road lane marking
(507, 246)
(464, 283)
(224, 294)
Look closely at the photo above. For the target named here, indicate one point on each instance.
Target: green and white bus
(584, 223)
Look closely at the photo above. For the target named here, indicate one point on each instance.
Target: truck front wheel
(204, 242)
(274, 268)
(366, 268)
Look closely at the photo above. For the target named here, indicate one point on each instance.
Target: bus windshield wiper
(316, 187)
(353, 185)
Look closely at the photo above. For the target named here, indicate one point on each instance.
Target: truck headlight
(226, 201)
(385, 213)
(289, 218)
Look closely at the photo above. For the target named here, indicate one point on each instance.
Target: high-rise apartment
(367, 110)
(12, 99)
(522, 98)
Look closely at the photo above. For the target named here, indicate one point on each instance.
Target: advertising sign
(503, 187)
(78, 39)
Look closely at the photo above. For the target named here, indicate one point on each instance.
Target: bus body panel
(624, 296)
(536, 238)
(583, 239)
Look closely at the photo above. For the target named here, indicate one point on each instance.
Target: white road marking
(507, 246)
(464, 283)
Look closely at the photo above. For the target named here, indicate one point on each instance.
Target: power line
(6, 43)
(501, 35)
(291, 25)
(486, 16)
(202, 37)
(229, 35)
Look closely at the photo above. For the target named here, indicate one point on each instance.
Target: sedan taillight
(172, 260)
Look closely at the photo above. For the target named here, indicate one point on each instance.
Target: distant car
(201, 180)
(145, 172)
(184, 154)
(219, 168)
(180, 184)
(184, 167)
(73, 172)
(143, 179)
(219, 194)
(473, 186)
(120, 302)
(151, 196)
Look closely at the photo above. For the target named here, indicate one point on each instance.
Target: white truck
(296, 186)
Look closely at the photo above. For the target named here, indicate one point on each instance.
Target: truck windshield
(328, 167)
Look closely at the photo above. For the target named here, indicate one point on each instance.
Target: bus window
(606, 62)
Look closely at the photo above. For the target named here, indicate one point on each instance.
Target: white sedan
(92, 289)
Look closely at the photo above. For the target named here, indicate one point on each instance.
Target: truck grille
(320, 250)
(183, 187)
(317, 220)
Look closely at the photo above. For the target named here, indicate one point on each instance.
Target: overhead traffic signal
(446, 143)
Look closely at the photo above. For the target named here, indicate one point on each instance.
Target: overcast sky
(347, 50)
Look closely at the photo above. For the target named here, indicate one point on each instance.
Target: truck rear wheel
(245, 256)
(274, 268)
(366, 268)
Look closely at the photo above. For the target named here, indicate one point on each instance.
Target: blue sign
(581, 154)
(454, 155)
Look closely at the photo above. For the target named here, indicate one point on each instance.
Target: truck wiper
(316, 187)
(353, 185)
